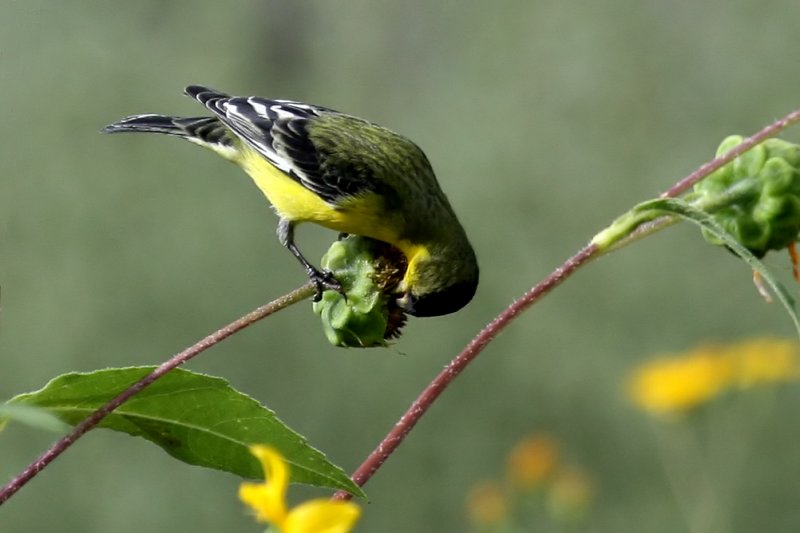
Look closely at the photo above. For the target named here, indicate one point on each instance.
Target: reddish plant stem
(770, 131)
(96, 417)
(420, 406)
(431, 392)
(429, 395)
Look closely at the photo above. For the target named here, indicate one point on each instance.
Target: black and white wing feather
(278, 130)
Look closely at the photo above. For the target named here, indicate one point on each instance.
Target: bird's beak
(406, 303)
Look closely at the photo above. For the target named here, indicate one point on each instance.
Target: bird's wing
(278, 130)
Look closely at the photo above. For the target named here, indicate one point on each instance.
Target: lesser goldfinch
(318, 165)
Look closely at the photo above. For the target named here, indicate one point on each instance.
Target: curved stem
(769, 131)
(92, 420)
(640, 222)
(420, 406)
(423, 402)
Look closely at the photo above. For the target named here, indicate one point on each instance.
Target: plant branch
(429, 395)
(96, 417)
(769, 131)
(457, 365)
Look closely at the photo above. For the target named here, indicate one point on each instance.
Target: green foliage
(756, 197)
(196, 418)
(32, 416)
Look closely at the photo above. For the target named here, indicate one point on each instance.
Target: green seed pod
(366, 315)
(756, 197)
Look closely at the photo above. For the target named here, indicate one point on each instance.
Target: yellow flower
(268, 500)
(487, 504)
(677, 384)
(570, 494)
(762, 361)
(532, 460)
(670, 385)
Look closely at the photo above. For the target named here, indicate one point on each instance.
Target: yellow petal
(671, 385)
(570, 493)
(764, 361)
(532, 460)
(268, 499)
(322, 516)
(257, 498)
(487, 505)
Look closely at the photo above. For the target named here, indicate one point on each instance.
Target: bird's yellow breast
(360, 215)
(289, 198)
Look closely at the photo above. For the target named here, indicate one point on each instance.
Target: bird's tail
(205, 131)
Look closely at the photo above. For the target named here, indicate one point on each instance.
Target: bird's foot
(324, 280)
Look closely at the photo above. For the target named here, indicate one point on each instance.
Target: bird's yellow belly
(360, 215)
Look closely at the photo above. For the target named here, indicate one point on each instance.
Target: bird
(318, 165)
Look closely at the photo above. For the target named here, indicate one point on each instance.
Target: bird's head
(439, 283)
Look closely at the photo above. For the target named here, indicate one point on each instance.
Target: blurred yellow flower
(532, 460)
(570, 493)
(675, 384)
(764, 361)
(667, 385)
(486, 504)
(268, 500)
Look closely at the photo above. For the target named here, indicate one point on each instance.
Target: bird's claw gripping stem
(324, 280)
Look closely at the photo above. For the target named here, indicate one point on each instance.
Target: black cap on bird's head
(442, 278)
(443, 302)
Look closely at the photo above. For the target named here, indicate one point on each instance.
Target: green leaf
(196, 418)
(31, 416)
(704, 220)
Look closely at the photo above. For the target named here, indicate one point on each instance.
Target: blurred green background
(544, 120)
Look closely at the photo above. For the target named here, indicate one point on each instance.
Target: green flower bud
(366, 315)
(756, 197)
